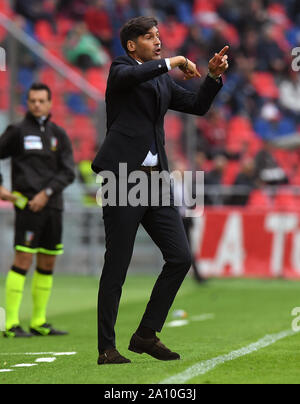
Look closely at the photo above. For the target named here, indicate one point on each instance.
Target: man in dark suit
(139, 93)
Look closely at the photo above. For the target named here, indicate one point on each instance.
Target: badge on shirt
(33, 143)
(54, 144)
(29, 237)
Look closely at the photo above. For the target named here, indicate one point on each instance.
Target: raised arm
(196, 103)
(124, 76)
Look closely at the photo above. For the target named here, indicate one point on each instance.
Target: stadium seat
(240, 134)
(5, 8)
(77, 104)
(259, 199)
(50, 77)
(264, 84)
(25, 78)
(173, 127)
(97, 78)
(286, 200)
(231, 171)
(64, 25)
(44, 33)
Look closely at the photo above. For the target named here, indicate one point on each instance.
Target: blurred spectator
(173, 34)
(270, 56)
(259, 87)
(212, 133)
(185, 200)
(74, 9)
(214, 191)
(249, 46)
(272, 124)
(165, 8)
(98, 22)
(290, 94)
(194, 45)
(200, 161)
(267, 169)
(245, 182)
(36, 10)
(120, 12)
(83, 50)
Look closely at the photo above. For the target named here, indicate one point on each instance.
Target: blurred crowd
(250, 137)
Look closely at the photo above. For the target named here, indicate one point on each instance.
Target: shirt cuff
(168, 63)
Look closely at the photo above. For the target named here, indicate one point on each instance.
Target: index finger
(224, 50)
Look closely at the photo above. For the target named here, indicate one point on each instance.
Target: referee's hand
(38, 202)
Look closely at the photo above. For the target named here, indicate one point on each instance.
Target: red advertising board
(247, 243)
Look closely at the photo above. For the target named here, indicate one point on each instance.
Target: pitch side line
(203, 367)
(38, 353)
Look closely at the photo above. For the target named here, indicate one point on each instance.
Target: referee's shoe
(46, 330)
(16, 332)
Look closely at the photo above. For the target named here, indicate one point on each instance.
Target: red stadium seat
(173, 127)
(264, 84)
(44, 32)
(286, 200)
(232, 170)
(97, 78)
(50, 77)
(240, 134)
(5, 8)
(259, 199)
(64, 25)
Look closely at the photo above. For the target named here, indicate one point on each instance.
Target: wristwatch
(49, 192)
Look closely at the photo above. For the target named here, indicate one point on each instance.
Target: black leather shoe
(153, 347)
(112, 356)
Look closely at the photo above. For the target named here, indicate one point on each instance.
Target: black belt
(150, 169)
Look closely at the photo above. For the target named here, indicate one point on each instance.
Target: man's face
(147, 47)
(38, 103)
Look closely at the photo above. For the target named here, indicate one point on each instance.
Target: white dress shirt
(151, 160)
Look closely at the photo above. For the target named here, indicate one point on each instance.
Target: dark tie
(153, 148)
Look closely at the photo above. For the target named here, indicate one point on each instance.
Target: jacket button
(160, 66)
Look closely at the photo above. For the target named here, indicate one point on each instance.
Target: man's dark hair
(136, 27)
(39, 87)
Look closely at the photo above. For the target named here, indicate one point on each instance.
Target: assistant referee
(42, 167)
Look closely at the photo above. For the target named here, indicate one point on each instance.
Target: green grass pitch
(244, 312)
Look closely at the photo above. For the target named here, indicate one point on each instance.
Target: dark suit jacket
(137, 99)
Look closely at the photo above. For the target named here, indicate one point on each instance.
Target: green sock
(15, 282)
(41, 290)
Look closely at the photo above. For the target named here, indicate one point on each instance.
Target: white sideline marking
(38, 353)
(205, 366)
(45, 360)
(177, 323)
(24, 365)
(5, 370)
(64, 353)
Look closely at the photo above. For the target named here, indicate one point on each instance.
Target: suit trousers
(165, 227)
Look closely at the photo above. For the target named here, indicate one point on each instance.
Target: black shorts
(39, 232)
